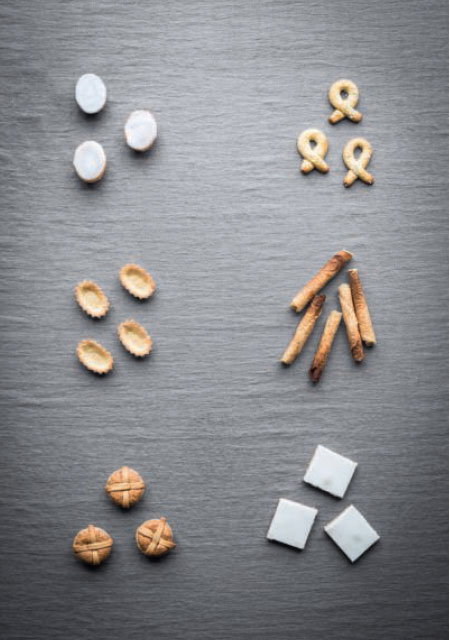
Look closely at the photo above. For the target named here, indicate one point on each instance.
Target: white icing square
(292, 523)
(330, 471)
(352, 533)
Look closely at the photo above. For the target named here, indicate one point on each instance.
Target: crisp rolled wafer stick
(303, 331)
(324, 346)
(351, 322)
(361, 309)
(317, 282)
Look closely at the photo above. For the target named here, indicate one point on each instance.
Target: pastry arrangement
(133, 337)
(328, 471)
(354, 310)
(140, 130)
(125, 488)
(292, 523)
(312, 144)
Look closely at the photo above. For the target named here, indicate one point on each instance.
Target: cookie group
(132, 335)
(312, 144)
(154, 537)
(140, 129)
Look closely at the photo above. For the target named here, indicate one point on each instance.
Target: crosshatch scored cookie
(92, 545)
(154, 537)
(125, 487)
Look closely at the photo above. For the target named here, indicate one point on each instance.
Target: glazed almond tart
(137, 281)
(91, 299)
(134, 338)
(94, 357)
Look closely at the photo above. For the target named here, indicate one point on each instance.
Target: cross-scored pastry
(313, 155)
(134, 338)
(357, 166)
(154, 537)
(125, 487)
(94, 357)
(92, 545)
(91, 299)
(137, 281)
(351, 532)
(344, 106)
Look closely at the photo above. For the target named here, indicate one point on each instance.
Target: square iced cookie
(330, 471)
(292, 523)
(352, 533)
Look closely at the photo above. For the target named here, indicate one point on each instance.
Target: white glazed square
(292, 523)
(330, 471)
(352, 533)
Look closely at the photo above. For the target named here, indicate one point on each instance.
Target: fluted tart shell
(134, 338)
(91, 299)
(94, 357)
(137, 281)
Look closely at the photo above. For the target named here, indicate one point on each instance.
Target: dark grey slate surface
(221, 217)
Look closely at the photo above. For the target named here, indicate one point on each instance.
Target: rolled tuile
(303, 331)
(320, 279)
(361, 309)
(324, 347)
(351, 322)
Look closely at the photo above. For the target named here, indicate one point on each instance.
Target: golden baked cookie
(125, 487)
(92, 545)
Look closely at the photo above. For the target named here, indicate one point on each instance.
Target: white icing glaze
(90, 93)
(89, 161)
(140, 130)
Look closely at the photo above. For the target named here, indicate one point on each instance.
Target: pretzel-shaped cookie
(357, 166)
(313, 156)
(344, 107)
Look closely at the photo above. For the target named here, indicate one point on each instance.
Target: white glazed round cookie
(90, 93)
(89, 161)
(140, 130)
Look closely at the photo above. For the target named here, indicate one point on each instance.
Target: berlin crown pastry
(313, 155)
(344, 106)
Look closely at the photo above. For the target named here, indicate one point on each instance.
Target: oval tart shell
(137, 281)
(94, 357)
(134, 338)
(91, 299)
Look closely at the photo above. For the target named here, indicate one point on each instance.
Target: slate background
(230, 230)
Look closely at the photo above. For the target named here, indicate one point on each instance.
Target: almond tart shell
(94, 357)
(91, 299)
(137, 281)
(134, 338)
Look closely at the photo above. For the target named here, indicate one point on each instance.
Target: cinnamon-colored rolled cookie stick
(303, 331)
(351, 323)
(317, 282)
(324, 346)
(361, 309)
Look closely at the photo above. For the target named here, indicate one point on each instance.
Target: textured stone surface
(221, 217)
